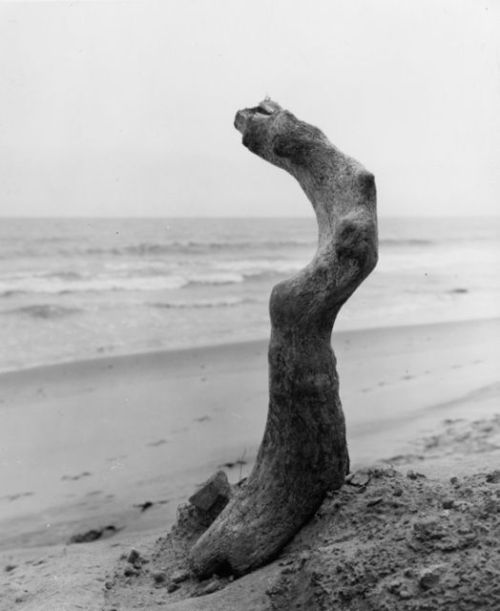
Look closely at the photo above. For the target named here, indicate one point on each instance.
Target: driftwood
(303, 453)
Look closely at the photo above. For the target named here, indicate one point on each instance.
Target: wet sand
(118, 443)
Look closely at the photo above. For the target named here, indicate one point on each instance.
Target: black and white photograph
(250, 305)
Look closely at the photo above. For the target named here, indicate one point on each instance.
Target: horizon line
(229, 217)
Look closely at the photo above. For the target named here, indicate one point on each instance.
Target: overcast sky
(126, 108)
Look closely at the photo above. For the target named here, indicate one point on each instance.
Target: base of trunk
(262, 517)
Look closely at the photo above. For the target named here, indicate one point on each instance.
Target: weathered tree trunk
(304, 452)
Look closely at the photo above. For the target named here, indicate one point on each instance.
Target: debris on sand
(95, 534)
(385, 541)
(148, 504)
(144, 506)
(214, 493)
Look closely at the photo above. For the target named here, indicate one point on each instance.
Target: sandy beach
(114, 445)
(193, 195)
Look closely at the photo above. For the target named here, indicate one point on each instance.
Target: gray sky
(126, 108)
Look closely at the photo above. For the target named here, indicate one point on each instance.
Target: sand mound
(399, 542)
(387, 541)
(418, 532)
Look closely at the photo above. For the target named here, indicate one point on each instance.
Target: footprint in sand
(182, 429)
(15, 497)
(115, 458)
(155, 444)
(449, 421)
(236, 463)
(202, 419)
(74, 478)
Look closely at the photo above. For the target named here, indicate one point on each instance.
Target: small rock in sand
(212, 586)
(134, 557)
(94, 534)
(359, 479)
(400, 588)
(493, 477)
(429, 577)
(414, 475)
(172, 587)
(144, 506)
(159, 577)
(304, 557)
(179, 576)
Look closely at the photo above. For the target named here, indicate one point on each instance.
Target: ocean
(74, 289)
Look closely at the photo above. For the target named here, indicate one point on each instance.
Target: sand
(115, 445)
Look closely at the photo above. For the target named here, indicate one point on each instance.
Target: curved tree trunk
(304, 452)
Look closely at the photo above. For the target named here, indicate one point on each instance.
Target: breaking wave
(44, 311)
(224, 302)
(189, 247)
(146, 277)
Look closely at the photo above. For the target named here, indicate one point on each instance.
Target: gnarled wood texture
(304, 452)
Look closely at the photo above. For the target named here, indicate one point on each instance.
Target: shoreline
(179, 352)
(119, 442)
(86, 443)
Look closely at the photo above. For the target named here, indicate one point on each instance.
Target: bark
(303, 453)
